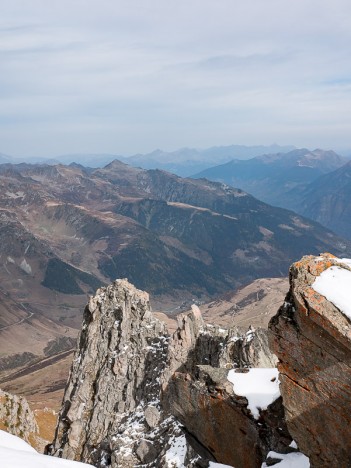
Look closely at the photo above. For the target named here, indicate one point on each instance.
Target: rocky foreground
(133, 389)
(137, 396)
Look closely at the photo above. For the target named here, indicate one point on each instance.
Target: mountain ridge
(86, 219)
(314, 184)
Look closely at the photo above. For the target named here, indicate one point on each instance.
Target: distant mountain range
(274, 177)
(187, 161)
(183, 162)
(316, 184)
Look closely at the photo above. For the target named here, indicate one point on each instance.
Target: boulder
(146, 451)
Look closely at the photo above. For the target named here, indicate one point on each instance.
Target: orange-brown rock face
(219, 421)
(312, 339)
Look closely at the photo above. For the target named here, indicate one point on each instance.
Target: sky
(129, 76)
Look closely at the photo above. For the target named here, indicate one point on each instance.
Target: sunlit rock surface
(311, 336)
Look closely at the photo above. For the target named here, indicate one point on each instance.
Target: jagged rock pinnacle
(115, 369)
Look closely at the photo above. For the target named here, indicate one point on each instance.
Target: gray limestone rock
(17, 417)
(115, 374)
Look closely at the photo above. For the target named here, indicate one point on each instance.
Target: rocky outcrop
(132, 389)
(111, 413)
(196, 343)
(312, 339)
(115, 375)
(196, 390)
(17, 418)
(220, 421)
(34, 426)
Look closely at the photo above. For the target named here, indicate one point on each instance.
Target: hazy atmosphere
(130, 76)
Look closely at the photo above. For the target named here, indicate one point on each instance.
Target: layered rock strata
(312, 339)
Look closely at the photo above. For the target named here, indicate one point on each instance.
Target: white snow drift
(16, 453)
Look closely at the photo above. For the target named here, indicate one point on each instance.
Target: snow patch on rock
(175, 455)
(26, 267)
(259, 386)
(334, 284)
(289, 460)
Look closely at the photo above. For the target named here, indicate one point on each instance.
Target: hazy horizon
(128, 77)
(65, 157)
